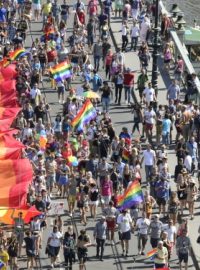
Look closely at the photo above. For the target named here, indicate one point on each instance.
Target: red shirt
(51, 55)
(109, 59)
(128, 79)
(81, 17)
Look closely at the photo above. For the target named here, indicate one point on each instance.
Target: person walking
(183, 249)
(155, 230)
(135, 33)
(128, 84)
(149, 159)
(54, 243)
(142, 225)
(69, 242)
(125, 32)
(99, 234)
(161, 256)
(83, 243)
(124, 222)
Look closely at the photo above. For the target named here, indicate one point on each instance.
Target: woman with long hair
(191, 196)
(173, 207)
(182, 191)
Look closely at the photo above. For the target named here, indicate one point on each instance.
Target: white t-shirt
(34, 92)
(149, 116)
(143, 225)
(170, 230)
(149, 94)
(149, 156)
(90, 133)
(124, 30)
(135, 31)
(124, 222)
(55, 239)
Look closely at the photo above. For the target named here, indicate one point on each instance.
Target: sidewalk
(132, 61)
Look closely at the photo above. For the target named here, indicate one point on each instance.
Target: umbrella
(8, 214)
(91, 94)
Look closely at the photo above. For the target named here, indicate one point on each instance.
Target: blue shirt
(162, 189)
(166, 125)
(95, 84)
(3, 12)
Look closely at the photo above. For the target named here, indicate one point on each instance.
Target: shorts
(149, 126)
(94, 203)
(74, 65)
(20, 237)
(159, 265)
(72, 198)
(62, 180)
(61, 90)
(82, 254)
(30, 253)
(50, 181)
(53, 251)
(125, 235)
(161, 201)
(106, 199)
(183, 257)
(111, 223)
(36, 6)
(166, 61)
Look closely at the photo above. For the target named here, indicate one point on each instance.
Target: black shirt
(39, 113)
(30, 243)
(64, 9)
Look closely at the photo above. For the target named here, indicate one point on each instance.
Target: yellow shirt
(4, 257)
(47, 8)
(161, 255)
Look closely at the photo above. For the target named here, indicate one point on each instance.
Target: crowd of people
(107, 161)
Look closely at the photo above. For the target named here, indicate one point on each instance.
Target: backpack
(99, 82)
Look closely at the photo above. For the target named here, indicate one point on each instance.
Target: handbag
(198, 239)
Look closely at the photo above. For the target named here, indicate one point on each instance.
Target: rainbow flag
(61, 71)
(17, 54)
(132, 195)
(125, 155)
(151, 254)
(5, 62)
(2, 264)
(84, 116)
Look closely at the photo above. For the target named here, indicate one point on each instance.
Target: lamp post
(154, 78)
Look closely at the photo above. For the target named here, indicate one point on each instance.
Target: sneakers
(52, 265)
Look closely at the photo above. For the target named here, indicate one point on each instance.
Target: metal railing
(182, 51)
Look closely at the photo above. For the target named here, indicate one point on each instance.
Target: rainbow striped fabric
(84, 116)
(17, 54)
(152, 253)
(61, 71)
(132, 195)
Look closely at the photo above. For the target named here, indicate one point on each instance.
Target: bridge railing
(181, 50)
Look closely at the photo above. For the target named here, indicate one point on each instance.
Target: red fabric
(7, 116)
(129, 79)
(51, 55)
(9, 72)
(109, 59)
(8, 96)
(81, 17)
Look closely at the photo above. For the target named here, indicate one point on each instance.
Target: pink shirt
(106, 188)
